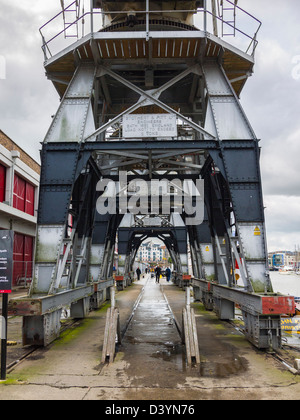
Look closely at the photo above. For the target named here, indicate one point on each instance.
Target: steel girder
(240, 170)
(261, 312)
(64, 252)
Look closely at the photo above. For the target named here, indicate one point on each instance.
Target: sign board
(291, 325)
(6, 260)
(149, 125)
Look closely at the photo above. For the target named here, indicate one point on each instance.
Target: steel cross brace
(148, 97)
(154, 159)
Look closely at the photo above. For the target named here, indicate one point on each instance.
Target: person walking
(157, 274)
(138, 273)
(168, 273)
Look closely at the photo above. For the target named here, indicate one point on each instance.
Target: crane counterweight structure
(152, 93)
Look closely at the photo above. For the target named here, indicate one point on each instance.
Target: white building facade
(152, 252)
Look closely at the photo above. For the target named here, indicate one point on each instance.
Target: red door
(18, 257)
(23, 195)
(28, 256)
(23, 256)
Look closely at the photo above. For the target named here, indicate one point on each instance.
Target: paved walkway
(152, 343)
(70, 367)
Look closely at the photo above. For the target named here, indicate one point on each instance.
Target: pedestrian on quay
(138, 273)
(157, 274)
(168, 273)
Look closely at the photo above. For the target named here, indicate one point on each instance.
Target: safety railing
(209, 20)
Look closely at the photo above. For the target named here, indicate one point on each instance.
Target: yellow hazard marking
(207, 248)
(256, 231)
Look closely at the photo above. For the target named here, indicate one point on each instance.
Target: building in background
(284, 259)
(19, 183)
(152, 252)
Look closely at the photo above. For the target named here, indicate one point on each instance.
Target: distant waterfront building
(284, 258)
(153, 252)
(278, 259)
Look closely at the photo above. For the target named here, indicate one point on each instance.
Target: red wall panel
(29, 199)
(19, 193)
(2, 183)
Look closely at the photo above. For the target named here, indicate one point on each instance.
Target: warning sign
(257, 231)
(207, 248)
(291, 325)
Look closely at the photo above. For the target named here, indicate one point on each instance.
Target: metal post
(4, 336)
(205, 15)
(92, 18)
(147, 20)
(25, 281)
(188, 296)
(112, 297)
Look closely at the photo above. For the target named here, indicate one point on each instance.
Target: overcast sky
(271, 98)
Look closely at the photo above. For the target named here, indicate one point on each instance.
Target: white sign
(149, 125)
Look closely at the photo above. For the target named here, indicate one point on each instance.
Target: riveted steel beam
(41, 305)
(253, 303)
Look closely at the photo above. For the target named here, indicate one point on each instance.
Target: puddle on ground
(169, 351)
(223, 369)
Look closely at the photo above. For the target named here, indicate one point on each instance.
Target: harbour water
(287, 284)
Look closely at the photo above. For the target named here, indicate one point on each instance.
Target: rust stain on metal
(24, 307)
(276, 305)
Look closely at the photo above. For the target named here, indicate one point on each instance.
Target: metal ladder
(70, 17)
(228, 15)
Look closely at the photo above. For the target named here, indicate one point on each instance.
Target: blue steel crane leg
(239, 164)
(66, 177)
(233, 187)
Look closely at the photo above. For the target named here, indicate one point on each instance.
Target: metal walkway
(152, 334)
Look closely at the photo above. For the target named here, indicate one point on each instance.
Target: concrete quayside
(150, 364)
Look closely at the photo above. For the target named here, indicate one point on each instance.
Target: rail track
(30, 350)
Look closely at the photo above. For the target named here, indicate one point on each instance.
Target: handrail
(45, 43)
(23, 271)
(253, 39)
